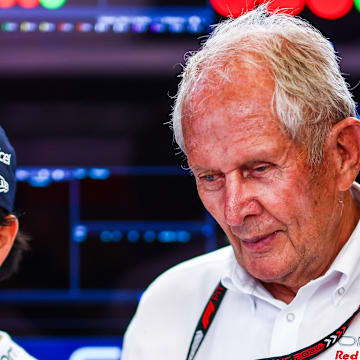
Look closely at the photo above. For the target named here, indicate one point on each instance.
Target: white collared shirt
(250, 324)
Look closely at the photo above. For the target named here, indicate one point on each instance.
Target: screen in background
(98, 36)
(100, 236)
(102, 16)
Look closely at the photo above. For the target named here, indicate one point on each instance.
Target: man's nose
(240, 199)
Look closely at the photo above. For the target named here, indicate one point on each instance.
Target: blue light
(36, 182)
(141, 24)
(106, 236)
(121, 26)
(74, 348)
(183, 236)
(80, 233)
(10, 26)
(133, 236)
(99, 174)
(47, 26)
(194, 25)
(139, 28)
(195, 29)
(176, 28)
(176, 23)
(66, 27)
(58, 174)
(207, 230)
(158, 27)
(41, 179)
(194, 20)
(167, 236)
(117, 236)
(100, 27)
(97, 352)
(149, 236)
(84, 27)
(111, 236)
(43, 173)
(27, 26)
(79, 173)
(22, 175)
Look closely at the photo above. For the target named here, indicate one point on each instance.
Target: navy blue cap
(7, 172)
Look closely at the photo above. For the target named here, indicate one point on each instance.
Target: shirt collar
(236, 278)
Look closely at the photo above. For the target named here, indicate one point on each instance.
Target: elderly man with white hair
(269, 130)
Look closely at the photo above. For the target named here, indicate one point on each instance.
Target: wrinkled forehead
(214, 107)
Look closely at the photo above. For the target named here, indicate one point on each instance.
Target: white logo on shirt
(5, 157)
(9, 355)
(4, 186)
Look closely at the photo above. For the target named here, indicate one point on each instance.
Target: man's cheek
(212, 202)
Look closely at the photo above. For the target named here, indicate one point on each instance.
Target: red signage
(28, 4)
(330, 9)
(7, 3)
(327, 9)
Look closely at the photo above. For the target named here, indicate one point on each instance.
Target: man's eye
(261, 168)
(209, 178)
(211, 182)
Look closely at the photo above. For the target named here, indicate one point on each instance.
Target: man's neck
(281, 292)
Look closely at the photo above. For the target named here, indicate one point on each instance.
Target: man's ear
(7, 236)
(343, 150)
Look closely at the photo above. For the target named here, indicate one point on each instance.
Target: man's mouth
(258, 243)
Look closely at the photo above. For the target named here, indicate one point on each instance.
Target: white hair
(310, 94)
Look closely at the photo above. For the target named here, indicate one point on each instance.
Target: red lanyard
(308, 352)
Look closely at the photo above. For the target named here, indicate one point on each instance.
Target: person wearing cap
(269, 129)
(12, 242)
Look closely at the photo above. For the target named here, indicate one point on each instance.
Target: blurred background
(85, 90)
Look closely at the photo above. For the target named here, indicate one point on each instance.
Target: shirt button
(341, 291)
(290, 317)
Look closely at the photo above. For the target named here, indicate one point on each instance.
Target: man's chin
(266, 273)
(269, 266)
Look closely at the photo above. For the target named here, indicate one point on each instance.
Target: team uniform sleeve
(10, 350)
